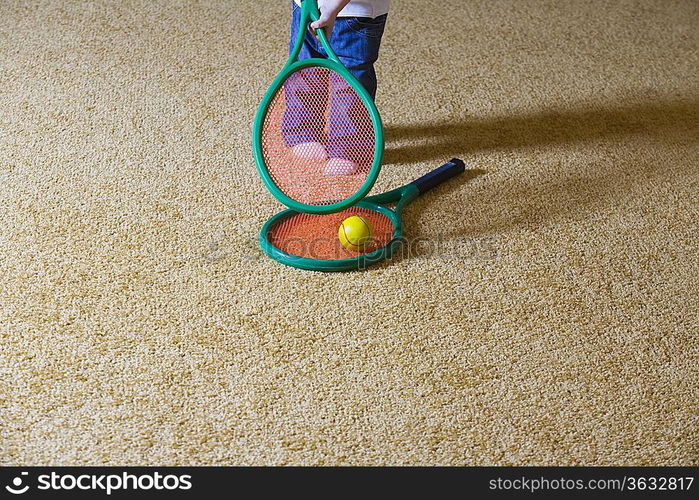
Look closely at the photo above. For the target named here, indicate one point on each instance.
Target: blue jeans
(355, 41)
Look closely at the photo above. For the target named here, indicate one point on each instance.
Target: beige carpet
(557, 323)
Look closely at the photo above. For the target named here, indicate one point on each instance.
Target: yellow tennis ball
(355, 233)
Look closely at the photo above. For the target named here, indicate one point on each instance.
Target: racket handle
(453, 167)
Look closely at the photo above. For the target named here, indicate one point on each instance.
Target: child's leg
(301, 114)
(301, 92)
(356, 42)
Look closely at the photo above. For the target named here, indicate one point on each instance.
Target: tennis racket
(310, 241)
(317, 136)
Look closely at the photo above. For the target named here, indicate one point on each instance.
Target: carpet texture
(547, 314)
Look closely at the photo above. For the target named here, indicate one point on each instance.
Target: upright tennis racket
(310, 241)
(317, 137)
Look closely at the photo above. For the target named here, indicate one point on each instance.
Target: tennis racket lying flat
(317, 136)
(310, 241)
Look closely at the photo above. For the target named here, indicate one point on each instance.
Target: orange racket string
(315, 236)
(318, 140)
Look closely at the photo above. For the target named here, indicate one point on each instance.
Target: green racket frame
(310, 12)
(401, 196)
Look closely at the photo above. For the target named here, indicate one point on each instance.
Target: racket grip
(453, 167)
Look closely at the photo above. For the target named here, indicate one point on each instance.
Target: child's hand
(329, 12)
